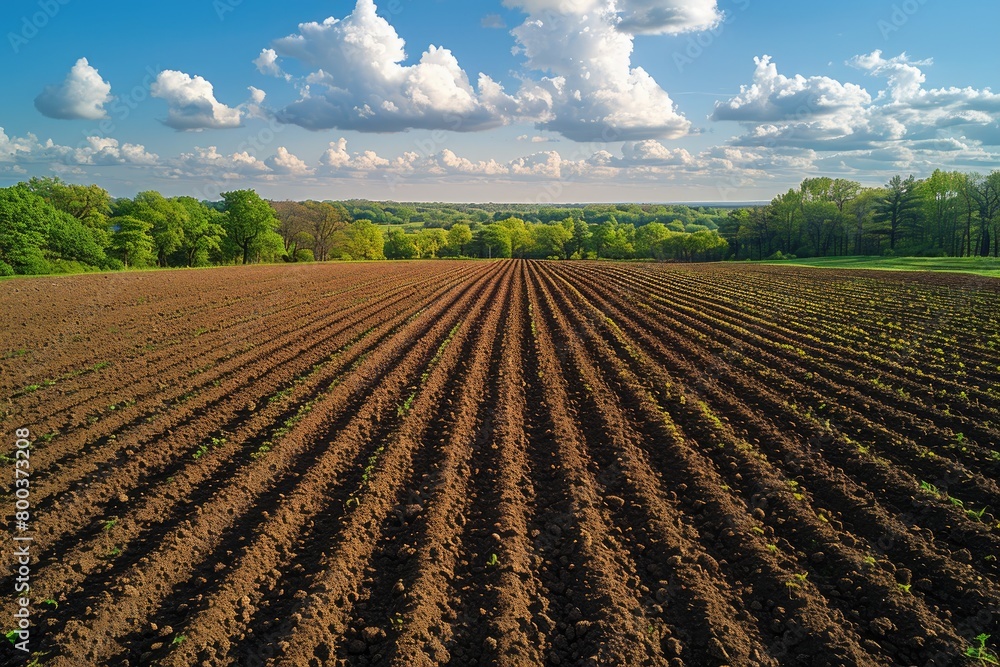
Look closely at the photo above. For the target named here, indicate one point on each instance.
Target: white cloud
(591, 91)
(651, 152)
(535, 139)
(82, 96)
(287, 164)
(11, 146)
(93, 151)
(253, 108)
(635, 16)
(106, 151)
(267, 63)
(192, 104)
(338, 161)
(668, 16)
(773, 97)
(588, 89)
(359, 81)
(257, 95)
(896, 125)
(209, 162)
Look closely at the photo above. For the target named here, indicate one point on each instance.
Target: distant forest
(49, 226)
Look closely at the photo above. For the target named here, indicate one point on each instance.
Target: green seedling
(178, 640)
(405, 408)
(796, 581)
(493, 560)
(108, 525)
(977, 516)
(397, 622)
(905, 588)
(981, 653)
(52, 603)
(773, 548)
(927, 487)
(757, 530)
(12, 636)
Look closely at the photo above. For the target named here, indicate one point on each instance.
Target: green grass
(981, 266)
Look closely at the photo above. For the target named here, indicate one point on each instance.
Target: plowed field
(507, 463)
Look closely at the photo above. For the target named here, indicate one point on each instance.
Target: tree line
(948, 214)
(50, 226)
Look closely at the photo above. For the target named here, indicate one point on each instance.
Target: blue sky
(521, 100)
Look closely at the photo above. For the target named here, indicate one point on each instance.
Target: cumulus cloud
(106, 151)
(287, 164)
(774, 97)
(93, 151)
(359, 81)
(580, 81)
(929, 113)
(899, 125)
(591, 91)
(651, 152)
(253, 108)
(81, 96)
(210, 162)
(192, 104)
(337, 160)
(267, 63)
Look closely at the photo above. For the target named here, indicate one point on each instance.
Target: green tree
(166, 219)
(519, 236)
(90, 204)
(898, 207)
(363, 240)
(400, 245)
(430, 242)
(612, 240)
(293, 225)
(550, 240)
(131, 242)
(202, 230)
(249, 221)
(495, 240)
(647, 237)
(24, 224)
(324, 222)
(580, 239)
(940, 195)
(861, 211)
(459, 236)
(69, 239)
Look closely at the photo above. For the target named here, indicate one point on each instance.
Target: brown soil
(507, 463)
